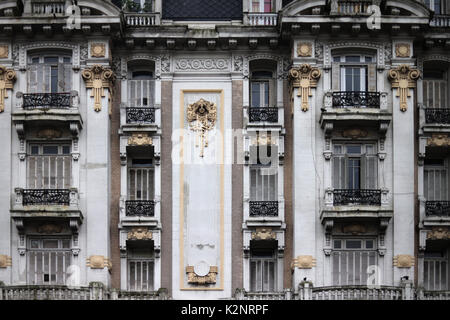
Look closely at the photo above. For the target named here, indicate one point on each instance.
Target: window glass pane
(337, 59)
(267, 5)
(337, 149)
(369, 244)
(51, 60)
(353, 244)
(54, 79)
(48, 244)
(368, 59)
(352, 59)
(142, 75)
(34, 244)
(337, 244)
(66, 149)
(266, 94)
(354, 149)
(67, 59)
(255, 94)
(66, 244)
(141, 162)
(34, 149)
(50, 150)
(35, 60)
(261, 74)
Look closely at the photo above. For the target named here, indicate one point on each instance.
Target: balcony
(342, 197)
(434, 120)
(140, 115)
(46, 197)
(440, 21)
(241, 294)
(434, 213)
(139, 213)
(261, 19)
(357, 293)
(46, 101)
(263, 208)
(263, 114)
(350, 7)
(437, 209)
(362, 108)
(47, 8)
(135, 20)
(141, 208)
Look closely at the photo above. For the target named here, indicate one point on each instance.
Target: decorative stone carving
(140, 139)
(7, 79)
(202, 64)
(354, 229)
(98, 262)
(263, 234)
(438, 140)
(403, 261)
(354, 133)
(262, 140)
(194, 278)
(4, 51)
(439, 233)
(403, 78)
(304, 49)
(304, 78)
(202, 116)
(49, 133)
(139, 234)
(50, 228)
(238, 63)
(402, 50)
(99, 78)
(303, 262)
(5, 261)
(98, 50)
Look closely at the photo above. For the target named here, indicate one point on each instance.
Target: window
(436, 271)
(48, 260)
(49, 166)
(141, 89)
(263, 175)
(435, 180)
(355, 166)
(262, 6)
(50, 74)
(435, 89)
(351, 259)
(140, 269)
(354, 73)
(263, 270)
(436, 5)
(261, 88)
(141, 180)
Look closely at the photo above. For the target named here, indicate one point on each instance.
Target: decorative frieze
(98, 262)
(303, 262)
(304, 78)
(7, 79)
(50, 228)
(202, 116)
(354, 229)
(403, 78)
(5, 261)
(263, 234)
(99, 78)
(354, 133)
(139, 234)
(140, 139)
(438, 140)
(202, 64)
(403, 261)
(439, 233)
(202, 279)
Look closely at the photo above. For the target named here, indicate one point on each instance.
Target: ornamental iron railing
(263, 114)
(140, 115)
(263, 208)
(437, 208)
(356, 99)
(46, 100)
(46, 197)
(437, 115)
(356, 196)
(144, 208)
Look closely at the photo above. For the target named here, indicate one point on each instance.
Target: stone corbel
(423, 240)
(74, 128)
(19, 225)
(74, 225)
(384, 223)
(328, 99)
(329, 197)
(384, 196)
(329, 224)
(75, 99)
(383, 128)
(18, 192)
(123, 158)
(328, 129)
(422, 150)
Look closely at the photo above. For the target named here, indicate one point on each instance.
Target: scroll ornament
(99, 78)
(304, 78)
(303, 262)
(403, 78)
(7, 79)
(210, 278)
(202, 116)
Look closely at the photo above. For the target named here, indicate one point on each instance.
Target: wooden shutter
(372, 78)
(340, 164)
(369, 172)
(33, 78)
(47, 78)
(67, 77)
(335, 76)
(272, 93)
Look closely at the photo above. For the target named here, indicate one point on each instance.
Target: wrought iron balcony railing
(46, 197)
(263, 114)
(437, 115)
(144, 208)
(437, 208)
(140, 115)
(46, 100)
(369, 197)
(356, 99)
(263, 208)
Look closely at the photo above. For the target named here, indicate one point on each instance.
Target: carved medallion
(263, 234)
(354, 229)
(5, 261)
(304, 49)
(98, 50)
(403, 261)
(49, 228)
(402, 50)
(354, 133)
(98, 262)
(140, 139)
(49, 133)
(209, 278)
(303, 262)
(7, 79)
(202, 116)
(99, 78)
(438, 140)
(403, 78)
(439, 233)
(4, 51)
(304, 78)
(139, 234)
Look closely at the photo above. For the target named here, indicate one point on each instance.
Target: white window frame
(139, 286)
(430, 274)
(149, 172)
(428, 168)
(362, 65)
(432, 5)
(39, 59)
(438, 86)
(259, 285)
(261, 8)
(265, 83)
(144, 89)
(270, 171)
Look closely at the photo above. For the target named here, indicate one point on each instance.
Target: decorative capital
(304, 78)
(403, 261)
(263, 234)
(98, 262)
(99, 78)
(7, 79)
(209, 278)
(438, 140)
(139, 234)
(439, 233)
(403, 78)
(303, 262)
(202, 117)
(140, 139)
(5, 261)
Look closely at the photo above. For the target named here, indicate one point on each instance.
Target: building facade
(255, 149)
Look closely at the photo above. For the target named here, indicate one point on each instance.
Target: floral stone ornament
(202, 117)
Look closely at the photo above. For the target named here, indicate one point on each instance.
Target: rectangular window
(435, 271)
(436, 181)
(141, 183)
(141, 267)
(354, 73)
(351, 259)
(263, 175)
(259, 94)
(261, 6)
(141, 93)
(435, 92)
(50, 74)
(49, 166)
(263, 271)
(355, 166)
(48, 261)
